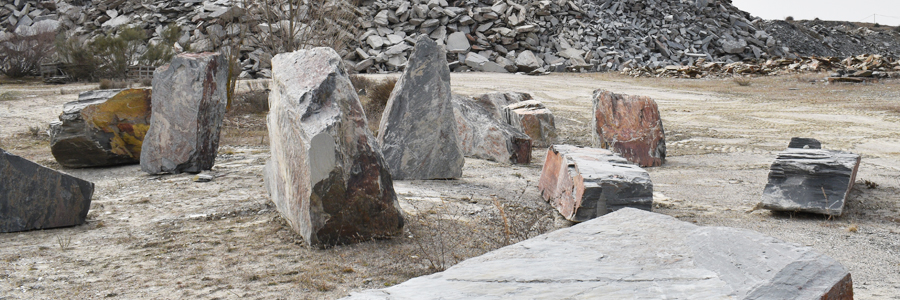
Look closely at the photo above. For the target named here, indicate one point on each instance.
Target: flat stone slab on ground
(635, 254)
(585, 183)
(102, 128)
(188, 102)
(36, 197)
(810, 180)
(629, 126)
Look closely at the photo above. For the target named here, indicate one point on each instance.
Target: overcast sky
(887, 12)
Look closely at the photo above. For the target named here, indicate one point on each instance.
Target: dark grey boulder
(188, 102)
(635, 254)
(35, 197)
(810, 180)
(417, 131)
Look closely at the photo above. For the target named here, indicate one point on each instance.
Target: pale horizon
(884, 12)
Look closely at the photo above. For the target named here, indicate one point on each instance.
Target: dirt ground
(168, 237)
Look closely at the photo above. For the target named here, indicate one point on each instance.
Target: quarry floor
(168, 237)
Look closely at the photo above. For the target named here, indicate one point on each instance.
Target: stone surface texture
(634, 254)
(188, 103)
(585, 183)
(495, 102)
(35, 197)
(533, 118)
(481, 135)
(810, 180)
(629, 126)
(326, 174)
(417, 131)
(101, 128)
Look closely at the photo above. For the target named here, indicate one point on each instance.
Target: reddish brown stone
(585, 183)
(629, 126)
(534, 119)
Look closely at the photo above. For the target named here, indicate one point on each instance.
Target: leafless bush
(789, 18)
(21, 52)
(296, 24)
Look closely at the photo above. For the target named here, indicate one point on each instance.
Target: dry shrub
(21, 51)
(107, 84)
(376, 97)
(10, 95)
(742, 81)
(807, 77)
(147, 82)
(360, 83)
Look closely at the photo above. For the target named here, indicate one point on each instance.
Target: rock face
(585, 183)
(417, 131)
(629, 126)
(483, 136)
(326, 174)
(188, 108)
(495, 102)
(102, 128)
(634, 254)
(533, 118)
(810, 180)
(36, 197)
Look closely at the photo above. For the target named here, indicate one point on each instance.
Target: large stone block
(326, 174)
(634, 254)
(417, 131)
(810, 180)
(189, 99)
(533, 118)
(483, 136)
(35, 197)
(585, 183)
(495, 102)
(101, 128)
(629, 126)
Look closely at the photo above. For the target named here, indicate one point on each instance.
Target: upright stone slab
(101, 128)
(533, 118)
(188, 102)
(326, 174)
(585, 183)
(35, 197)
(634, 254)
(417, 131)
(810, 180)
(629, 126)
(483, 136)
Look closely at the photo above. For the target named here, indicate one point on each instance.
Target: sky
(884, 12)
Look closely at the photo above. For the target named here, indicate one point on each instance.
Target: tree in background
(22, 51)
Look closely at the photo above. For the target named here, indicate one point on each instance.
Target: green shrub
(115, 53)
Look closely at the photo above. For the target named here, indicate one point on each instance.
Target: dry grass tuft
(375, 100)
(107, 84)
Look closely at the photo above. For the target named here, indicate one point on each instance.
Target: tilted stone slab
(629, 126)
(634, 254)
(326, 174)
(188, 102)
(585, 183)
(417, 131)
(483, 136)
(533, 118)
(810, 180)
(35, 197)
(101, 128)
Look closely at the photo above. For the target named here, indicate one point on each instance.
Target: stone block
(533, 118)
(585, 183)
(495, 102)
(635, 254)
(188, 103)
(810, 180)
(629, 126)
(483, 136)
(101, 128)
(35, 197)
(326, 175)
(418, 133)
